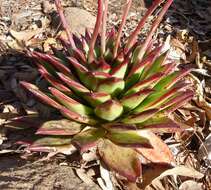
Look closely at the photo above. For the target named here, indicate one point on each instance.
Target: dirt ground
(20, 15)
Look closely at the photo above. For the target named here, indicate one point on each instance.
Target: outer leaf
(47, 100)
(122, 160)
(140, 117)
(159, 123)
(88, 138)
(77, 117)
(52, 80)
(75, 86)
(149, 82)
(128, 139)
(71, 103)
(52, 141)
(59, 127)
(160, 153)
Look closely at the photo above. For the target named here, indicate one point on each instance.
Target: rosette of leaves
(115, 95)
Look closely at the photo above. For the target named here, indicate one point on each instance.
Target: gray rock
(79, 19)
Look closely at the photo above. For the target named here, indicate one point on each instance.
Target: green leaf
(70, 103)
(111, 86)
(109, 110)
(59, 127)
(140, 117)
(132, 101)
(43, 97)
(159, 123)
(52, 141)
(88, 138)
(96, 98)
(124, 161)
(128, 139)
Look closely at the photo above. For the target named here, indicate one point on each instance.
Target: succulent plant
(116, 96)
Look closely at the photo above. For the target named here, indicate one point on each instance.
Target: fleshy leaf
(159, 123)
(52, 141)
(109, 110)
(70, 103)
(124, 161)
(96, 98)
(131, 101)
(149, 82)
(128, 139)
(76, 117)
(59, 127)
(75, 86)
(88, 138)
(43, 97)
(140, 117)
(160, 153)
(111, 86)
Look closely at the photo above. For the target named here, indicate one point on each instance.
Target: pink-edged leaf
(70, 103)
(119, 71)
(74, 62)
(75, 86)
(79, 54)
(109, 110)
(158, 98)
(23, 122)
(179, 104)
(179, 98)
(131, 101)
(137, 69)
(52, 141)
(160, 123)
(119, 127)
(102, 66)
(124, 161)
(96, 31)
(52, 80)
(153, 29)
(41, 149)
(43, 97)
(156, 66)
(140, 117)
(55, 62)
(119, 33)
(149, 82)
(128, 139)
(160, 153)
(59, 127)
(96, 98)
(76, 117)
(111, 86)
(64, 22)
(169, 80)
(88, 138)
(104, 22)
(133, 36)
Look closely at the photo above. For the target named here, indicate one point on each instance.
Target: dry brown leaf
(191, 185)
(182, 171)
(24, 36)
